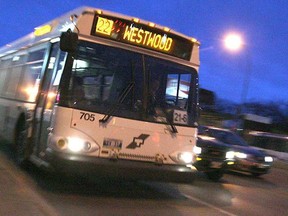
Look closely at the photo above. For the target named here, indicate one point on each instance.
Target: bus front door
(46, 100)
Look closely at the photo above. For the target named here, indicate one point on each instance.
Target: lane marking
(209, 205)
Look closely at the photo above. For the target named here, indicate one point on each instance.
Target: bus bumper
(120, 169)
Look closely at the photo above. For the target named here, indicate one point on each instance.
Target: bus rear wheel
(21, 145)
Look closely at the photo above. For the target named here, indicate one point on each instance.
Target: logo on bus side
(138, 141)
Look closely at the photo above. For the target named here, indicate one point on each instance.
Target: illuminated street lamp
(233, 42)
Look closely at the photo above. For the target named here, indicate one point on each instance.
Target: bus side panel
(10, 115)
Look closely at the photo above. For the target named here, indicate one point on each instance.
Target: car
(247, 159)
(213, 157)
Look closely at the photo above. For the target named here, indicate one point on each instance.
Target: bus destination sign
(137, 34)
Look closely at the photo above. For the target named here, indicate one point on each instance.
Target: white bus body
(115, 127)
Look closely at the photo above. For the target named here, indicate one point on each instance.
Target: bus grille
(135, 156)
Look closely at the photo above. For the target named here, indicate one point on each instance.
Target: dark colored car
(247, 158)
(213, 157)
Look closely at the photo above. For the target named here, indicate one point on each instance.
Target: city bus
(96, 92)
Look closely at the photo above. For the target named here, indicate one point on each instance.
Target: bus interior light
(51, 95)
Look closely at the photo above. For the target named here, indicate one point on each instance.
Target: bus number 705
(87, 116)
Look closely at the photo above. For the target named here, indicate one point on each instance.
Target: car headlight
(268, 159)
(240, 155)
(230, 154)
(197, 150)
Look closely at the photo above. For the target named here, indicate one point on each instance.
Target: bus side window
(13, 78)
(14, 74)
(30, 82)
(4, 64)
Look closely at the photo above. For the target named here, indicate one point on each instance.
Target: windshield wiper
(173, 128)
(168, 119)
(120, 101)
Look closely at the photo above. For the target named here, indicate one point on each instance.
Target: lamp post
(234, 42)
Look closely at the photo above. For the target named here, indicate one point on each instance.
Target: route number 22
(104, 26)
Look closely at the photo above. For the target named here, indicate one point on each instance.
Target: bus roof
(54, 28)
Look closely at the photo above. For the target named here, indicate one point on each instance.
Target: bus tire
(256, 174)
(215, 175)
(21, 145)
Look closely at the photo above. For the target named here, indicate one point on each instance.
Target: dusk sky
(263, 25)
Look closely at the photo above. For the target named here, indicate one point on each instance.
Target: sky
(258, 70)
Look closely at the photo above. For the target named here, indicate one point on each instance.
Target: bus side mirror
(69, 41)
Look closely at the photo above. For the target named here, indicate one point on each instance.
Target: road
(235, 194)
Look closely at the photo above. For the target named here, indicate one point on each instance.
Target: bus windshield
(118, 82)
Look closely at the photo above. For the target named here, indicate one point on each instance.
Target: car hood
(208, 142)
(248, 150)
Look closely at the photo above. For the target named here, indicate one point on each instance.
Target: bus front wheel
(21, 145)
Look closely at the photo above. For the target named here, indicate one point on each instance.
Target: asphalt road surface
(235, 194)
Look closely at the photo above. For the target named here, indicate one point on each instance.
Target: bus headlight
(185, 157)
(75, 144)
(72, 144)
(182, 157)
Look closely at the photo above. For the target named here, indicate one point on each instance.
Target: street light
(233, 42)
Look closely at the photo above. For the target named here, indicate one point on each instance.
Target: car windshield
(117, 82)
(224, 136)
